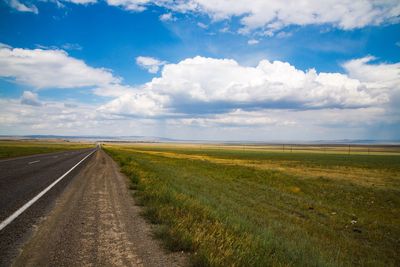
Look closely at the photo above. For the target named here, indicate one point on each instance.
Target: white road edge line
(32, 162)
(36, 198)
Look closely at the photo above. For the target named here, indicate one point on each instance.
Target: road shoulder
(95, 222)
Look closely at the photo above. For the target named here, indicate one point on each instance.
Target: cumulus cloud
(30, 98)
(151, 64)
(381, 80)
(381, 76)
(217, 94)
(208, 92)
(42, 68)
(136, 105)
(202, 92)
(200, 86)
(209, 80)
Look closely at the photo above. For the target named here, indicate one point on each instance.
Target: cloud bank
(195, 85)
(266, 17)
(202, 93)
(274, 15)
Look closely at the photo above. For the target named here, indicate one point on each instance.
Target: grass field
(10, 149)
(229, 206)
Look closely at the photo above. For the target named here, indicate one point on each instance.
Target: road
(89, 218)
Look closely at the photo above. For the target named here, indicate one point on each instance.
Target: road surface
(21, 179)
(87, 219)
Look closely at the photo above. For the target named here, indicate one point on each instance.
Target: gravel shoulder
(95, 222)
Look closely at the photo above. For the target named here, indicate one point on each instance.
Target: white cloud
(17, 5)
(136, 104)
(287, 124)
(283, 34)
(206, 98)
(66, 46)
(2, 45)
(220, 93)
(209, 80)
(68, 118)
(252, 42)
(69, 46)
(236, 118)
(202, 25)
(167, 17)
(131, 5)
(82, 2)
(17, 114)
(50, 69)
(329, 117)
(203, 93)
(274, 15)
(151, 64)
(30, 98)
(112, 90)
(375, 76)
(63, 118)
(225, 30)
(73, 118)
(268, 16)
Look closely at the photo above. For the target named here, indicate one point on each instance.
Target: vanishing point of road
(73, 208)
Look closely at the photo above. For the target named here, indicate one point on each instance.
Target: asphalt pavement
(21, 179)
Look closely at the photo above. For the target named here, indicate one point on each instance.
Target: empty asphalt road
(88, 219)
(21, 179)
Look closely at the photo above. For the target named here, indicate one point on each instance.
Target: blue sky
(201, 69)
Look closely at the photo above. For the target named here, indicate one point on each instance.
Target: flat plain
(269, 205)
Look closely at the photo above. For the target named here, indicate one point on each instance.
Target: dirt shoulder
(95, 222)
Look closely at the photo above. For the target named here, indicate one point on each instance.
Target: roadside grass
(9, 149)
(239, 215)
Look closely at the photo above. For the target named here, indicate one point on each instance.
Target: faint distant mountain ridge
(91, 138)
(138, 138)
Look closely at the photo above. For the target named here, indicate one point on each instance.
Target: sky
(201, 69)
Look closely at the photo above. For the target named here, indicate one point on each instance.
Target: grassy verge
(9, 149)
(227, 212)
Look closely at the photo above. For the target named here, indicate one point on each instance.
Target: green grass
(231, 208)
(9, 149)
